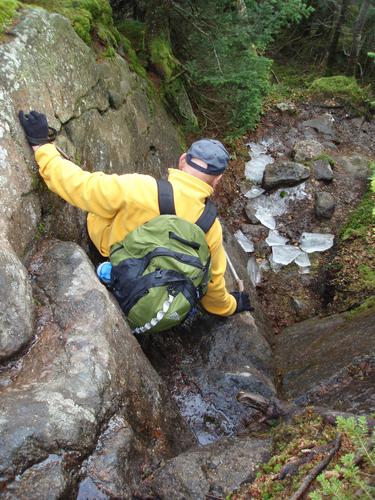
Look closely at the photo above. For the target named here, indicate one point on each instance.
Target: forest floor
(340, 278)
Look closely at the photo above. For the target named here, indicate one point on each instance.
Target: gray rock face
(105, 117)
(311, 354)
(356, 167)
(206, 367)
(16, 304)
(323, 125)
(85, 367)
(215, 470)
(284, 174)
(307, 150)
(322, 170)
(324, 204)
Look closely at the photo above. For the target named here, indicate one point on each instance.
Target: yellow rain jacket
(117, 204)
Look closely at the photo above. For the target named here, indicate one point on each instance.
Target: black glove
(36, 128)
(243, 302)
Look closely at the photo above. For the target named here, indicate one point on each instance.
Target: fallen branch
(317, 470)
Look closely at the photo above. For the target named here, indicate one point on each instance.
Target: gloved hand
(243, 302)
(36, 128)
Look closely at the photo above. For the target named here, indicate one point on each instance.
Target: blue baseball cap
(211, 152)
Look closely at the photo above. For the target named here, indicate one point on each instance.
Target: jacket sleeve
(217, 299)
(97, 192)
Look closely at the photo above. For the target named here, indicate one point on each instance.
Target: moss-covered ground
(8, 9)
(354, 264)
(299, 446)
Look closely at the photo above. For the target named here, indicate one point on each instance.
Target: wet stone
(197, 474)
(250, 213)
(323, 125)
(322, 170)
(307, 150)
(284, 174)
(324, 205)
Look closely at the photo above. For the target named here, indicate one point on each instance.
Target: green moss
(90, 18)
(8, 9)
(361, 219)
(326, 157)
(162, 57)
(341, 87)
(368, 305)
(134, 31)
(132, 58)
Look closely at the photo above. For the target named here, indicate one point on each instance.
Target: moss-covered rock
(7, 11)
(89, 18)
(342, 87)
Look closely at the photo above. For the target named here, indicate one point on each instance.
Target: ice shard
(254, 192)
(274, 238)
(316, 242)
(253, 271)
(302, 260)
(284, 254)
(244, 242)
(265, 218)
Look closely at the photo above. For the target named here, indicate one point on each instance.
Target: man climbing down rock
(118, 205)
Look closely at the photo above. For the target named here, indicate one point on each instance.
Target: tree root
(317, 470)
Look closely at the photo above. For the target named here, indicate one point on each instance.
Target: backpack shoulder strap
(208, 216)
(165, 197)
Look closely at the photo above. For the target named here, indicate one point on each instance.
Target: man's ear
(216, 180)
(181, 161)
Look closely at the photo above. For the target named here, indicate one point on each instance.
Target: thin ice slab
(302, 260)
(274, 238)
(284, 254)
(254, 192)
(254, 271)
(244, 242)
(265, 218)
(316, 242)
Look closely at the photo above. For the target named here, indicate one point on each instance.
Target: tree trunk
(340, 19)
(357, 37)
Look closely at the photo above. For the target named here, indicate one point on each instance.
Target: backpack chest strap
(167, 206)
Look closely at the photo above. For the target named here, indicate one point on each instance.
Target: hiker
(118, 204)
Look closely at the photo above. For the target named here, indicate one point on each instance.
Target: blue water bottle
(104, 271)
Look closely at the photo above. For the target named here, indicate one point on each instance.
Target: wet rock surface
(16, 304)
(307, 150)
(206, 367)
(314, 355)
(324, 204)
(322, 170)
(84, 368)
(284, 174)
(215, 470)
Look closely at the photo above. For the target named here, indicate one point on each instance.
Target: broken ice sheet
(254, 192)
(265, 218)
(244, 242)
(274, 238)
(254, 169)
(253, 271)
(284, 254)
(274, 266)
(316, 242)
(302, 260)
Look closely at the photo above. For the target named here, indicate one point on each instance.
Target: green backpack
(162, 269)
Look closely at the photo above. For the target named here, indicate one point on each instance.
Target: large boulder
(284, 174)
(107, 118)
(214, 471)
(16, 304)
(85, 368)
(329, 361)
